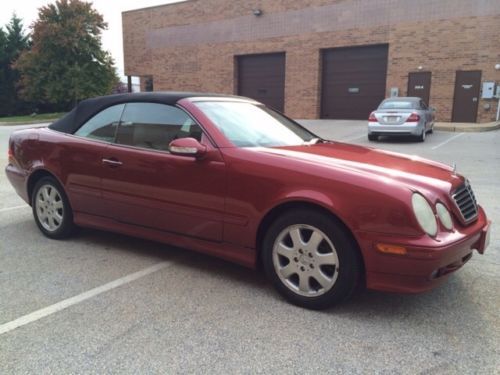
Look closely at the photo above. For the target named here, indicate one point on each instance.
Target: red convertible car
(230, 177)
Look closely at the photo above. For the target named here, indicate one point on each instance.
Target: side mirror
(187, 147)
(432, 109)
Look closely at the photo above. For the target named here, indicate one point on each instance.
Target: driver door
(145, 185)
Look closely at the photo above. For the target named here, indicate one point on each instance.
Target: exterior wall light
(497, 66)
(257, 12)
(420, 67)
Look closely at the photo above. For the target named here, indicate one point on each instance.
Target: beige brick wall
(448, 40)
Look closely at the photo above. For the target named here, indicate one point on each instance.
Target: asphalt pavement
(106, 303)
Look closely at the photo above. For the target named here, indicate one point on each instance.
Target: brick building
(323, 58)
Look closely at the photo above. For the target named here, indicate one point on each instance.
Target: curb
(50, 120)
(468, 129)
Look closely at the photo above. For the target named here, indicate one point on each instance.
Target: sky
(111, 10)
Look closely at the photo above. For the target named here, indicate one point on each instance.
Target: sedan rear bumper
(18, 179)
(407, 128)
(423, 267)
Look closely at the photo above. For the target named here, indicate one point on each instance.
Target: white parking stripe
(52, 309)
(13, 208)
(448, 140)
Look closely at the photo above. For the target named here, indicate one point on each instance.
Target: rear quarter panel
(73, 161)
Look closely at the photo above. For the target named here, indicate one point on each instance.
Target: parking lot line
(448, 140)
(52, 309)
(13, 208)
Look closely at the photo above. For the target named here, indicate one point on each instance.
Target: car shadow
(365, 304)
(396, 140)
(453, 295)
(186, 258)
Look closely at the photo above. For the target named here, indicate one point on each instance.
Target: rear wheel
(310, 259)
(421, 137)
(372, 137)
(51, 209)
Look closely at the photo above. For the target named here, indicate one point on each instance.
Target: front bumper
(407, 128)
(427, 262)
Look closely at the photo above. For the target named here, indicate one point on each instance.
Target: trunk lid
(392, 117)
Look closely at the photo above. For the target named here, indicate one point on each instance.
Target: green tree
(12, 43)
(17, 42)
(3, 69)
(66, 62)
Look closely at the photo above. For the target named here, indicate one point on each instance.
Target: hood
(414, 171)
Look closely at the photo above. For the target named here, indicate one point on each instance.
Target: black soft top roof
(89, 107)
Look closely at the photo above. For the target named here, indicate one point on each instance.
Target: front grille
(466, 202)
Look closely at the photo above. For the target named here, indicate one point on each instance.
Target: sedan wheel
(306, 260)
(311, 259)
(421, 138)
(51, 209)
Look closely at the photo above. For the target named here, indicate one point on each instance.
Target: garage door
(262, 77)
(353, 81)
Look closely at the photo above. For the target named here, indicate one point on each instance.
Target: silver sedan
(401, 116)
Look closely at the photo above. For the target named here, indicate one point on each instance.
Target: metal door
(466, 97)
(419, 85)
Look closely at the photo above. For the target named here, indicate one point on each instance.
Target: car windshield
(251, 125)
(398, 104)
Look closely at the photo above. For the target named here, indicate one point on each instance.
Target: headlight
(424, 214)
(444, 216)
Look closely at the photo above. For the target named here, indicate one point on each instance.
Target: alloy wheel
(305, 260)
(49, 208)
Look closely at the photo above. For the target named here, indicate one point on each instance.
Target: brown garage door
(353, 81)
(262, 77)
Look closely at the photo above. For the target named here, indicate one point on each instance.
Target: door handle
(112, 162)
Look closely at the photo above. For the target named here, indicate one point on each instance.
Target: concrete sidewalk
(466, 127)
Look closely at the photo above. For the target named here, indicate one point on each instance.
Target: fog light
(391, 249)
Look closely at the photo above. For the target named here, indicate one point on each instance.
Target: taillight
(10, 153)
(413, 118)
(372, 118)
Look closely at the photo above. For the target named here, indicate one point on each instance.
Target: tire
(372, 137)
(51, 209)
(314, 275)
(431, 130)
(421, 137)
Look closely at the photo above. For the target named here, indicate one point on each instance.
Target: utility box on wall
(488, 91)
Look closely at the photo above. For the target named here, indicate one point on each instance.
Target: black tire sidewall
(67, 227)
(422, 136)
(347, 252)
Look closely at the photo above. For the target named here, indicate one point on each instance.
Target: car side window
(423, 105)
(103, 125)
(154, 126)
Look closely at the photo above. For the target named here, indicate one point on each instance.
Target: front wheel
(51, 209)
(311, 259)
